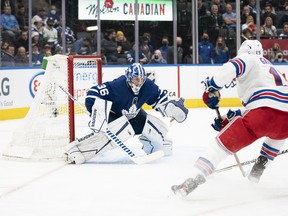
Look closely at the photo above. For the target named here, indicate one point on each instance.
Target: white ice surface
(113, 186)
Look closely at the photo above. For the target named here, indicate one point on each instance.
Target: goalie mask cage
(54, 120)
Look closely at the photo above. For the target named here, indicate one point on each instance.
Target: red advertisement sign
(268, 43)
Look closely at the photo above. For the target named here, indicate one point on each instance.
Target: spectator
(46, 51)
(50, 34)
(85, 50)
(145, 49)
(69, 34)
(8, 56)
(110, 45)
(10, 3)
(202, 8)
(131, 56)
(215, 23)
(247, 34)
(36, 40)
(245, 13)
(37, 57)
(283, 5)
(250, 24)
(206, 50)
(38, 26)
(269, 28)
(284, 33)
(157, 58)
(9, 24)
(222, 53)
(147, 41)
(280, 58)
(273, 3)
(21, 59)
(54, 15)
(22, 40)
(283, 19)
(123, 47)
(229, 17)
(263, 34)
(275, 53)
(268, 13)
(80, 43)
(188, 58)
(42, 14)
(220, 5)
(4, 45)
(21, 17)
(170, 55)
(165, 46)
(252, 6)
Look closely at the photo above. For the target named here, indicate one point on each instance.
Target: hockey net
(53, 119)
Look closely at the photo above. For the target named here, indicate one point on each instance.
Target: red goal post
(72, 64)
(53, 119)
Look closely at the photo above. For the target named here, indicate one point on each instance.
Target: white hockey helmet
(136, 76)
(251, 47)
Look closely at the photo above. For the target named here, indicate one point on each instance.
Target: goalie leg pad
(122, 128)
(85, 148)
(154, 136)
(95, 144)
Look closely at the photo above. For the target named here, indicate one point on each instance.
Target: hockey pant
(243, 131)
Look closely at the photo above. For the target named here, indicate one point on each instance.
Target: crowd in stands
(217, 35)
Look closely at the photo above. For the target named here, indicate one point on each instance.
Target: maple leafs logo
(109, 3)
(131, 113)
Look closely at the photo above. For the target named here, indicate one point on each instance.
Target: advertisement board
(18, 87)
(268, 44)
(153, 10)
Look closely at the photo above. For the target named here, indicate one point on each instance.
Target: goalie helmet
(136, 76)
(251, 47)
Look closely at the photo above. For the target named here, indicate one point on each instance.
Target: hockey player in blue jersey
(263, 90)
(118, 105)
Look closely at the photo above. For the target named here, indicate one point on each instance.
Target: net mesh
(47, 126)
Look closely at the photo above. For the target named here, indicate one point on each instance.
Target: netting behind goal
(54, 119)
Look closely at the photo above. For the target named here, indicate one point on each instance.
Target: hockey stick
(235, 155)
(136, 159)
(244, 163)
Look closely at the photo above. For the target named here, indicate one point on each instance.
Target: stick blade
(148, 158)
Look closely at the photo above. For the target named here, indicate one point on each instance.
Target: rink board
(18, 86)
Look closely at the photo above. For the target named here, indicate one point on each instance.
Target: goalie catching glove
(219, 124)
(211, 95)
(174, 109)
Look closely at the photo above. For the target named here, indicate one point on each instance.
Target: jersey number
(280, 79)
(103, 89)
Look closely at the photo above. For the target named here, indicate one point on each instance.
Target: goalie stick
(234, 154)
(244, 163)
(136, 159)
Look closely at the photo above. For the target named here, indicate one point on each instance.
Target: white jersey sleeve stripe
(240, 66)
(268, 94)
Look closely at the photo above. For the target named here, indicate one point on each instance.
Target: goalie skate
(188, 185)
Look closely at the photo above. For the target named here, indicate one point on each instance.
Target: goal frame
(70, 81)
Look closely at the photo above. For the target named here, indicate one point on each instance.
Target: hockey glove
(219, 124)
(174, 109)
(211, 95)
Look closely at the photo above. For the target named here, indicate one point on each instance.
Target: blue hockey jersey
(123, 99)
